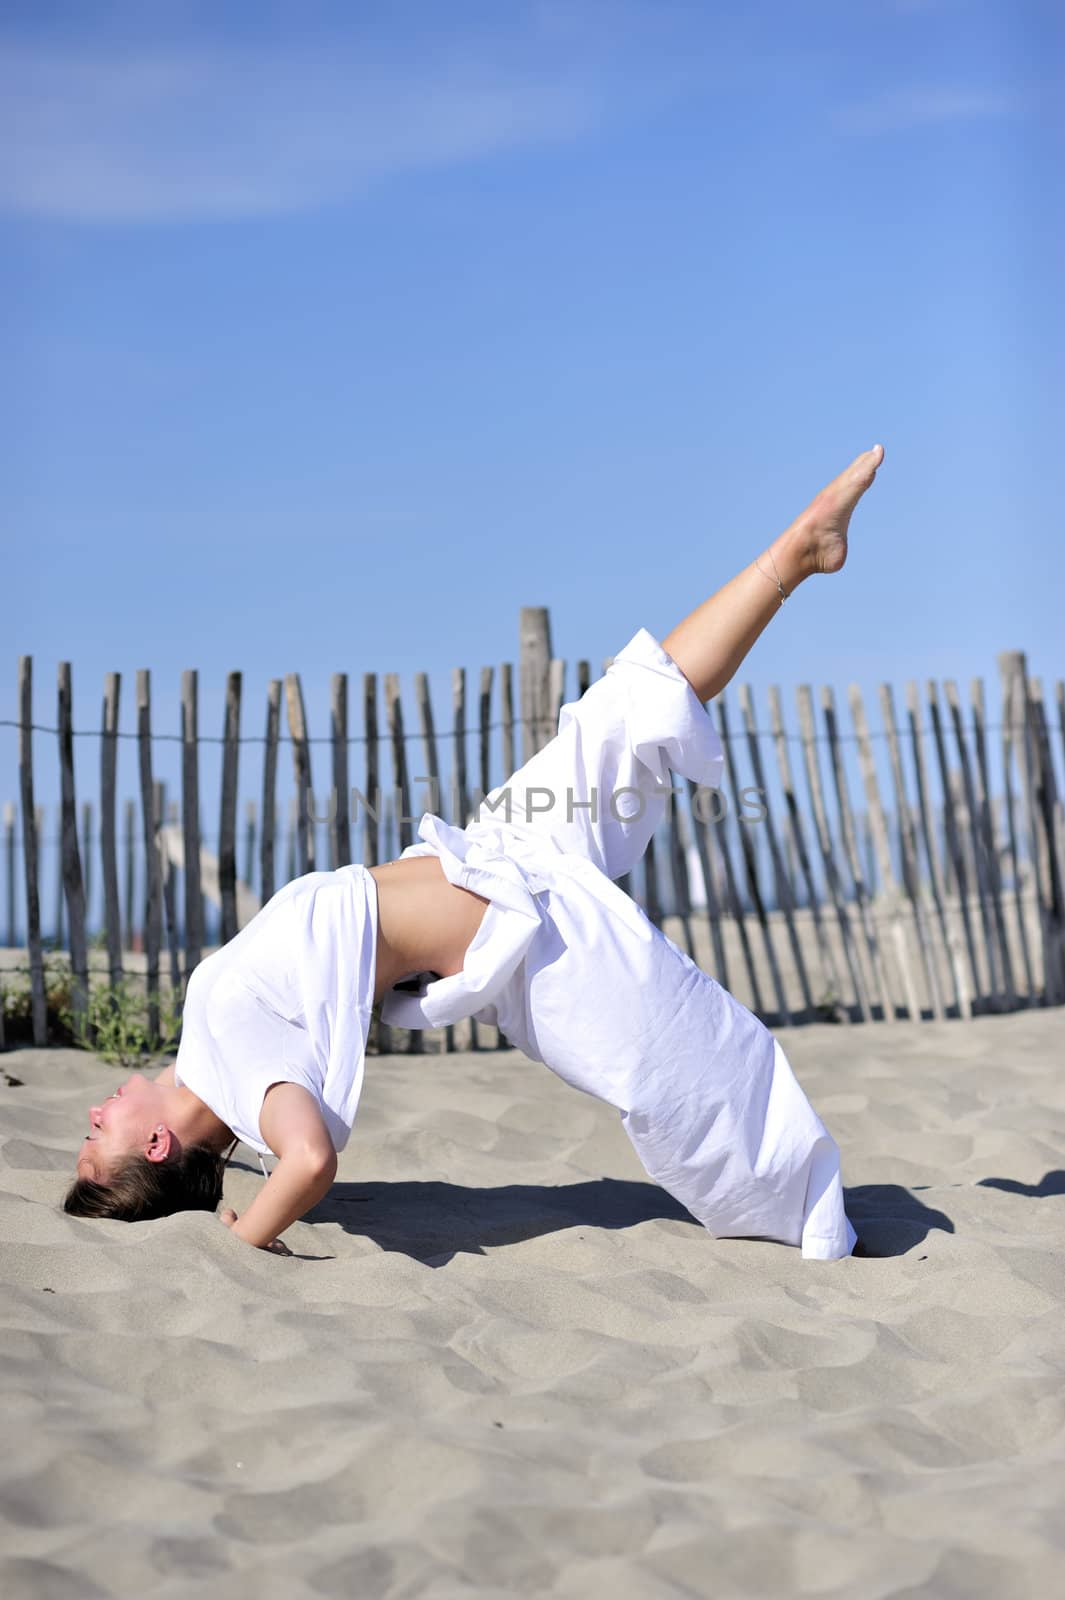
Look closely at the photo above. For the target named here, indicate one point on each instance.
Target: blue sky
(336, 333)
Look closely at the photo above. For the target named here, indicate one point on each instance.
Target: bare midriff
(424, 922)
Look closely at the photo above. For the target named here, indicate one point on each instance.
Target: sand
(502, 1363)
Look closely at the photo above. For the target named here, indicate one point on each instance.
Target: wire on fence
(727, 738)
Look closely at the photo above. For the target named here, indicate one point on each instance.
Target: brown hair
(141, 1189)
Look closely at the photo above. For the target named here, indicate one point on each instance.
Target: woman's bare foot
(818, 537)
(817, 540)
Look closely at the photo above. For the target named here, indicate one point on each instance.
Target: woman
(515, 920)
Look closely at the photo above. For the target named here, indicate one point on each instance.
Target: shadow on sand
(890, 1220)
(433, 1222)
(1052, 1183)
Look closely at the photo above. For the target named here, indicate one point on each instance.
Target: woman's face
(129, 1119)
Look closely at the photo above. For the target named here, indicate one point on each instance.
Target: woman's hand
(277, 1247)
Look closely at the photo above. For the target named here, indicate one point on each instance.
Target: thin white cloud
(923, 107)
(184, 134)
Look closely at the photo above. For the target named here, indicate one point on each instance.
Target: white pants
(579, 978)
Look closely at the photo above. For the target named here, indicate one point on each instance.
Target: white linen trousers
(577, 976)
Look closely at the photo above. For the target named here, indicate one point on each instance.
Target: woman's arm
(291, 1123)
(297, 1183)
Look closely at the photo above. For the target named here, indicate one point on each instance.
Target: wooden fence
(934, 898)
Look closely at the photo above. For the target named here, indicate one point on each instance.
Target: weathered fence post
(1006, 675)
(850, 850)
(268, 841)
(533, 670)
(785, 891)
(678, 874)
(291, 861)
(973, 832)
(459, 791)
(371, 850)
(751, 868)
(340, 824)
(130, 853)
(908, 852)
(166, 871)
(936, 873)
(506, 717)
(401, 781)
(227, 826)
(829, 971)
(700, 829)
(60, 887)
(9, 858)
(954, 842)
(301, 761)
(401, 806)
(804, 699)
(1049, 811)
(1039, 784)
(732, 890)
(484, 747)
(39, 1010)
(380, 1032)
(87, 859)
(72, 879)
(108, 823)
(432, 775)
(988, 844)
(190, 819)
(556, 697)
(882, 846)
(251, 818)
(152, 874)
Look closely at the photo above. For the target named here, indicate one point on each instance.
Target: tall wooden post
(72, 878)
(371, 848)
(301, 759)
(9, 861)
(340, 821)
(877, 823)
(34, 951)
(153, 910)
(190, 819)
(533, 676)
(227, 826)
(268, 841)
(108, 824)
(785, 890)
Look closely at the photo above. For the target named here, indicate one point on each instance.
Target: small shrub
(115, 1022)
(16, 997)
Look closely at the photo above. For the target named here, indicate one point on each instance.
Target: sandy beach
(501, 1362)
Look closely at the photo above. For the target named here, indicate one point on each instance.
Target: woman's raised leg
(709, 645)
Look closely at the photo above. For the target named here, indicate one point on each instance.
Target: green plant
(116, 1023)
(830, 1007)
(16, 997)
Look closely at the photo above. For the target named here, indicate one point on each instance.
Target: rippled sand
(503, 1363)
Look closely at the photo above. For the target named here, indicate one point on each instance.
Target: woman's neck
(196, 1123)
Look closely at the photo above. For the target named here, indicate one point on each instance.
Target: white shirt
(287, 1001)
